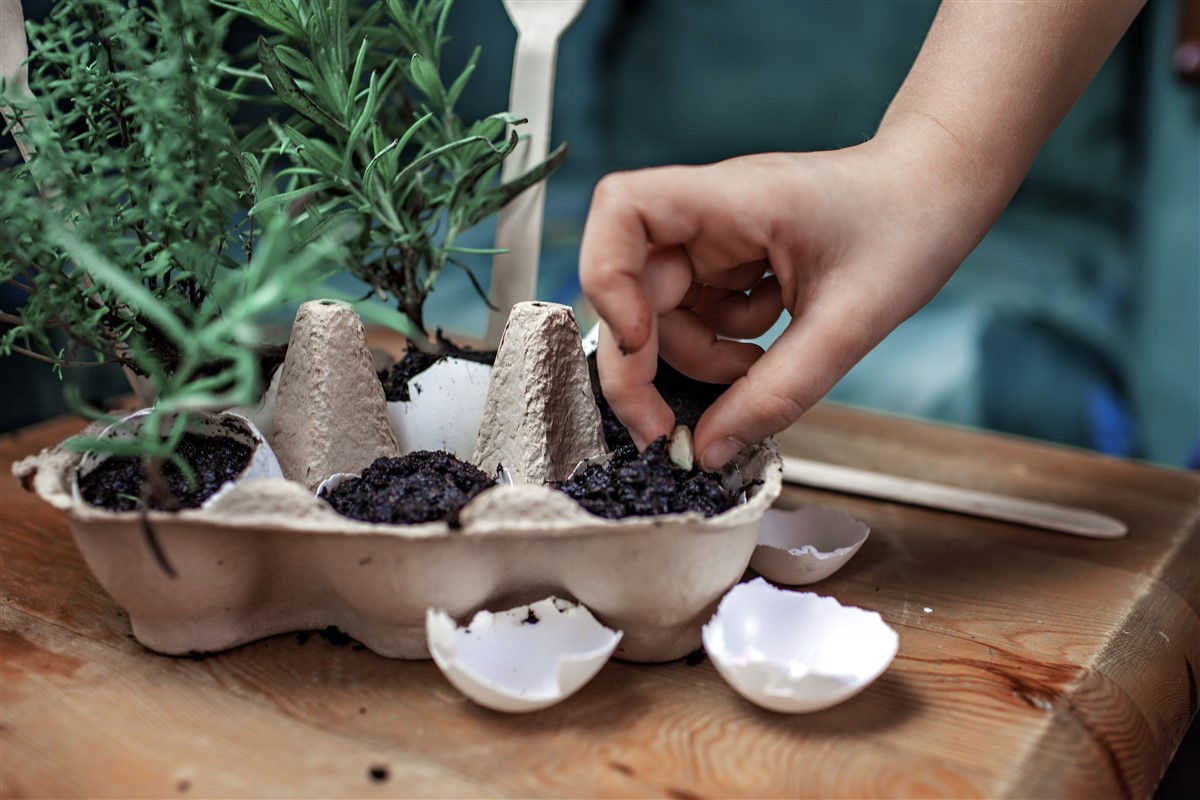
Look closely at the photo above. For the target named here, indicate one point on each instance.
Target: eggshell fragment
(523, 659)
(807, 545)
(444, 408)
(796, 652)
(591, 340)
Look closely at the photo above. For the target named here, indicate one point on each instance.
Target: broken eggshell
(262, 464)
(444, 408)
(523, 659)
(796, 652)
(806, 545)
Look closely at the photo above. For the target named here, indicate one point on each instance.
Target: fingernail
(720, 453)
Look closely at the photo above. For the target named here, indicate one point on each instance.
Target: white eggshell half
(796, 651)
(333, 481)
(806, 545)
(507, 662)
(445, 407)
(263, 463)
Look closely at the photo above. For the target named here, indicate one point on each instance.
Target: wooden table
(1031, 664)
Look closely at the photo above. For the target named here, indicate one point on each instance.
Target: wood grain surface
(1030, 665)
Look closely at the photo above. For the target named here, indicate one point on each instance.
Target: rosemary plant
(375, 145)
(133, 153)
(150, 230)
(125, 227)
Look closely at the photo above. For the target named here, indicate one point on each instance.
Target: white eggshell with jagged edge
(796, 652)
(523, 659)
(807, 545)
(444, 408)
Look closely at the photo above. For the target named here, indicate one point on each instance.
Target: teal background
(1077, 320)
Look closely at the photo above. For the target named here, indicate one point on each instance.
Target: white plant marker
(540, 24)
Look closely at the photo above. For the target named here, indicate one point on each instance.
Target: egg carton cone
(540, 418)
(330, 413)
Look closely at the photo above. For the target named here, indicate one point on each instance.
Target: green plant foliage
(136, 157)
(377, 152)
(150, 231)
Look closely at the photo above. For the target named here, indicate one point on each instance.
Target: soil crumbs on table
(395, 379)
(116, 484)
(422, 486)
(630, 484)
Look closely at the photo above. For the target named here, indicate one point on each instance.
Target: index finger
(630, 213)
(611, 257)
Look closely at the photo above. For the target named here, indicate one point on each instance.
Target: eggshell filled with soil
(523, 659)
(260, 461)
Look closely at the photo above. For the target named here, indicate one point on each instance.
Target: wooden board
(1031, 664)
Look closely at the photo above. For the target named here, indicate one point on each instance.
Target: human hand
(849, 242)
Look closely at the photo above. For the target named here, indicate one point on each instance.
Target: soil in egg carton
(632, 484)
(422, 486)
(116, 484)
(628, 485)
(395, 378)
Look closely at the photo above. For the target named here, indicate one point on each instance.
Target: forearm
(994, 79)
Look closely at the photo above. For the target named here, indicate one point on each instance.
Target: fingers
(740, 315)
(667, 207)
(628, 383)
(693, 348)
(627, 377)
(650, 237)
(798, 369)
(611, 258)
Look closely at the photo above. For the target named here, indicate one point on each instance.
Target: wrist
(956, 185)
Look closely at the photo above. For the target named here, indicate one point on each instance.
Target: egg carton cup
(268, 557)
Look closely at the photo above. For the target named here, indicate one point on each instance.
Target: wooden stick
(540, 24)
(1035, 513)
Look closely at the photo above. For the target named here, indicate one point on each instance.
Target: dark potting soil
(116, 484)
(688, 399)
(395, 379)
(632, 484)
(422, 486)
